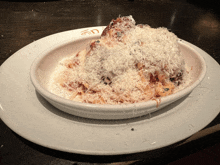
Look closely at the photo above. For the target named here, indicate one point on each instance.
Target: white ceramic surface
(28, 114)
(46, 62)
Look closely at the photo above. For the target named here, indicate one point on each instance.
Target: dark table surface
(21, 23)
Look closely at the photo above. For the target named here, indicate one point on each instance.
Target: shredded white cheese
(122, 66)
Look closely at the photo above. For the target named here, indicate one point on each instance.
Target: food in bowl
(128, 64)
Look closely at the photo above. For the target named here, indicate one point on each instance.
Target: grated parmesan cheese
(129, 63)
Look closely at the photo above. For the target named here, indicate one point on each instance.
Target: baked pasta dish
(129, 63)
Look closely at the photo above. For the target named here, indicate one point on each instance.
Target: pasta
(128, 64)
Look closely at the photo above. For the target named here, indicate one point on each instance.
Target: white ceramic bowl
(46, 62)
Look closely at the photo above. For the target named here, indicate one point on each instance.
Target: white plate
(29, 115)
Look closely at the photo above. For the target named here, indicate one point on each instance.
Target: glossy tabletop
(22, 23)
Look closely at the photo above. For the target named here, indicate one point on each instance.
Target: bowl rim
(108, 107)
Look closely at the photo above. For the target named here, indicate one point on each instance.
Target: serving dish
(29, 115)
(46, 62)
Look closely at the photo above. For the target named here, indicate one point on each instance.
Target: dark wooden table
(21, 23)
